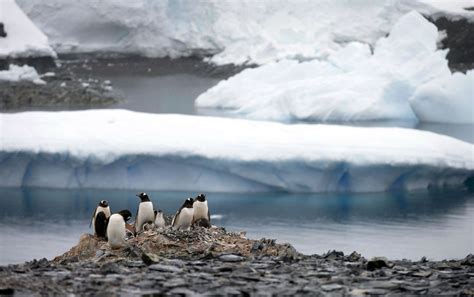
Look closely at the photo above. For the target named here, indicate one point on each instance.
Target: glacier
(23, 38)
(396, 80)
(228, 32)
(130, 150)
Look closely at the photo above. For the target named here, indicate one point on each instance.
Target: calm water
(39, 223)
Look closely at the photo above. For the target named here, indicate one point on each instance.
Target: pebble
(231, 258)
(165, 268)
(234, 272)
(331, 287)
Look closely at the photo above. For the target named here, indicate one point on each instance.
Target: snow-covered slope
(354, 84)
(123, 149)
(232, 31)
(23, 38)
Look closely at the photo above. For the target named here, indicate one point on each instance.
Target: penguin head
(143, 197)
(188, 203)
(126, 214)
(158, 212)
(103, 203)
(201, 198)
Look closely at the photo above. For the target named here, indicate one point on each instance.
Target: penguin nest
(197, 243)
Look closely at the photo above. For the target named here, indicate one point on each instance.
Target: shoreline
(213, 261)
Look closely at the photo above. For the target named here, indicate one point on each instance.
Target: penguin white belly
(145, 214)
(116, 231)
(160, 221)
(200, 210)
(185, 218)
(105, 210)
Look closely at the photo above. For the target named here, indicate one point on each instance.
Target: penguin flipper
(135, 223)
(93, 216)
(209, 217)
(175, 218)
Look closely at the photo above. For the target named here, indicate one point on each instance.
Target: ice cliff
(405, 78)
(123, 149)
(23, 38)
(235, 32)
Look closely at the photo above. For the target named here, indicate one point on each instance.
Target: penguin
(102, 207)
(116, 231)
(100, 224)
(159, 219)
(201, 217)
(145, 212)
(184, 216)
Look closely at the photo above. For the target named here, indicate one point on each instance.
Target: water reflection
(44, 222)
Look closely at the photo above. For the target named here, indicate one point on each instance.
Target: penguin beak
(138, 195)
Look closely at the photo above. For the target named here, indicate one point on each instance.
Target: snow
(23, 38)
(353, 84)
(21, 73)
(448, 99)
(123, 149)
(237, 32)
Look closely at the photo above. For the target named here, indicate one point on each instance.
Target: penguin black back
(100, 224)
(126, 214)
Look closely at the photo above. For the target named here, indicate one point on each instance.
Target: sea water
(37, 223)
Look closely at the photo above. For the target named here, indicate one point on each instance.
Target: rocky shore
(64, 88)
(76, 81)
(215, 262)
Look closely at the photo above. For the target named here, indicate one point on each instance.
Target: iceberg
(353, 84)
(23, 39)
(448, 99)
(229, 32)
(21, 73)
(122, 149)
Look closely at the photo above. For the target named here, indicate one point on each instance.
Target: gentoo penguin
(184, 217)
(100, 224)
(145, 212)
(116, 228)
(159, 219)
(102, 207)
(202, 216)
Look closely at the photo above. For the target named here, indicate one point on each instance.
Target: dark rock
(149, 258)
(377, 263)
(354, 257)
(333, 255)
(459, 40)
(7, 291)
(3, 33)
(469, 260)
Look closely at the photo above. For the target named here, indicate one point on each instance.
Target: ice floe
(395, 82)
(21, 73)
(123, 149)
